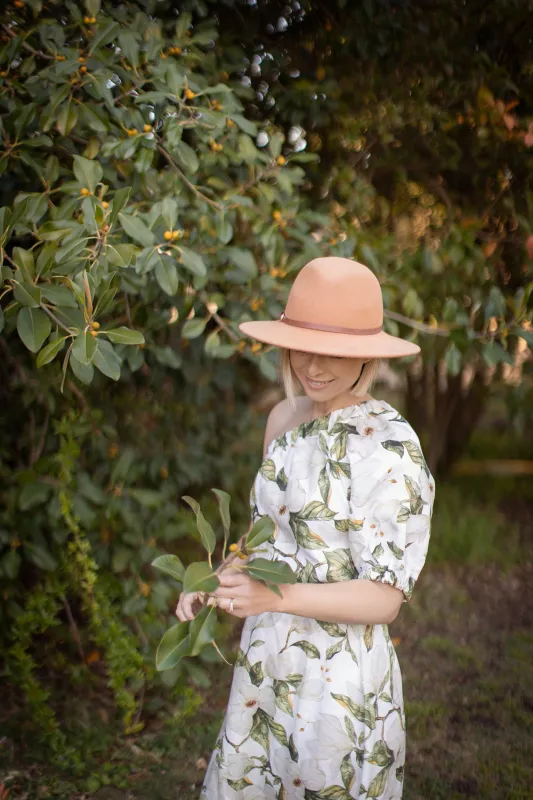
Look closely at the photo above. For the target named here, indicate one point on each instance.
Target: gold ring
(231, 606)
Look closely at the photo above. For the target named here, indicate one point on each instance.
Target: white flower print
(249, 698)
(417, 527)
(278, 666)
(308, 461)
(312, 689)
(300, 776)
(372, 431)
(332, 741)
(237, 764)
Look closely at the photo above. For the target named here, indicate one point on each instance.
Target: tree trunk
(444, 416)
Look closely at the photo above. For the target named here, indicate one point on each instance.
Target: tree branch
(187, 182)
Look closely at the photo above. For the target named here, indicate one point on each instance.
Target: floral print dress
(316, 708)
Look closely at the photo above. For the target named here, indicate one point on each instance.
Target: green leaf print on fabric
(316, 510)
(259, 730)
(331, 793)
(394, 447)
(282, 690)
(340, 566)
(378, 784)
(268, 470)
(309, 649)
(347, 771)
(292, 749)
(381, 755)
(365, 714)
(304, 537)
(324, 484)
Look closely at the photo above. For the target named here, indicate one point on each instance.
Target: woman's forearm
(359, 602)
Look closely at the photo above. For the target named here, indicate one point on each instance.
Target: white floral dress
(316, 708)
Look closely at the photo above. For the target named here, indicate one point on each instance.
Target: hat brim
(377, 345)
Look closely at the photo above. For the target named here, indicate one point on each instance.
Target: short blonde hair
(293, 386)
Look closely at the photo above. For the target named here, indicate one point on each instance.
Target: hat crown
(333, 291)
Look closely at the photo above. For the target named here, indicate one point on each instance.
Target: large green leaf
(202, 629)
(124, 335)
(170, 564)
(199, 577)
(136, 228)
(270, 571)
(193, 261)
(33, 327)
(174, 645)
(106, 360)
(50, 351)
(260, 532)
(84, 347)
(27, 294)
(167, 275)
(88, 172)
(206, 531)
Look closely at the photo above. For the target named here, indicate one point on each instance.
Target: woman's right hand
(189, 605)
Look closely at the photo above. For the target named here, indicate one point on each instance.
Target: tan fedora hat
(335, 307)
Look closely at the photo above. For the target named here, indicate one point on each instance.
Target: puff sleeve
(390, 493)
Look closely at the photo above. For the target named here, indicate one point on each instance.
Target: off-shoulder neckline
(372, 403)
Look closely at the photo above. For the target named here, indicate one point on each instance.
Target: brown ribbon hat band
(330, 328)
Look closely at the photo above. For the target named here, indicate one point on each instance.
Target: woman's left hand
(250, 597)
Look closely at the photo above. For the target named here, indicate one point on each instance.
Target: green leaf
(50, 351)
(279, 731)
(199, 577)
(58, 295)
(167, 275)
(88, 172)
(106, 360)
(27, 294)
(365, 714)
(202, 629)
(206, 531)
(137, 230)
(260, 532)
(170, 564)
(270, 571)
(25, 262)
(309, 649)
(243, 259)
(84, 347)
(526, 335)
(316, 510)
(124, 335)
(67, 118)
(378, 784)
(104, 34)
(194, 327)
(347, 771)
(244, 124)
(119, 201)
(174, 645)
(186, 157)
(223, 499)
(193, 261)
(33, 327)
(393, 447)
(83, 372)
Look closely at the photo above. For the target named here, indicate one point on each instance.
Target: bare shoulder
(282, 418)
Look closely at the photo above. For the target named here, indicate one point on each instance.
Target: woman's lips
(316, 384)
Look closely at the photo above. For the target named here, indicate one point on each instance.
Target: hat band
(330, 328)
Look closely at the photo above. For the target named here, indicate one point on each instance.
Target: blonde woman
(316, 705)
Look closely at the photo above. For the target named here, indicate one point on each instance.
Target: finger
(234, 579)
(187, 607)
(226, 591)
(224, 604)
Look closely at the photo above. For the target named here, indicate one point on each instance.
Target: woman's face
(325, 377)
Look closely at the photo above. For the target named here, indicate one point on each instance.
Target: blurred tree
(422, 114)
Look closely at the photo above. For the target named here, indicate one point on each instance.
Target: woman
(316, 706)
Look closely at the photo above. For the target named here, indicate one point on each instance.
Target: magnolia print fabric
(316, 708)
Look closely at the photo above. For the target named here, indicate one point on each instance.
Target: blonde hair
(293, 386)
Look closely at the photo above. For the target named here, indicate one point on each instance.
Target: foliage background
(167, 168)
